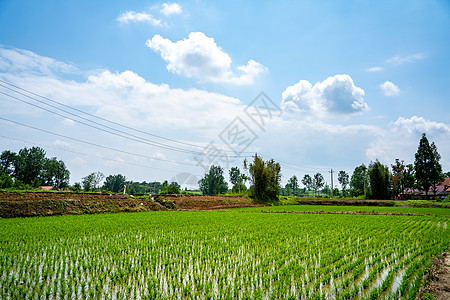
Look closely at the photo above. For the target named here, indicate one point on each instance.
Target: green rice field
(370, 209)
(218, 255)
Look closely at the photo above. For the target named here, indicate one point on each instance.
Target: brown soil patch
(188, 202)
(439, 275)
(29, 204)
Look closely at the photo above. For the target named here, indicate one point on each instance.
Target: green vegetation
(218, 255)
(213, 183)
(265, 177)
(30, 168)
(435, 211)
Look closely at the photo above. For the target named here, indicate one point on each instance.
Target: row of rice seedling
(217, 255)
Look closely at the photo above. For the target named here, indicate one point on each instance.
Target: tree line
(31, 168)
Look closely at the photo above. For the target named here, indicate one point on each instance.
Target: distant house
(48, 188)
(441, 190)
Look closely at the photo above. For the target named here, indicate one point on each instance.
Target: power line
(137, 139)
(85, 154)
(94, 144)
(94, 116)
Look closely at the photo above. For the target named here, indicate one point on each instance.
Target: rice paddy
(218, 255)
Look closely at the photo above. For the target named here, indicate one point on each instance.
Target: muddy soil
(29, 204)
(439, 276)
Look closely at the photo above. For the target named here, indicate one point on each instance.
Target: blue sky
(355, 82)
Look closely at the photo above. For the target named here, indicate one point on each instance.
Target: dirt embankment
(187, 202)
(439, 276)
(29, 204)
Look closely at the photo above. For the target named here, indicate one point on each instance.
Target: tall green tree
(426, 165)
(91, 181)
(265, 177)
(359, 181)
(29, 165)
(307, 182)
(293, 185)
(114, 183)
(237, 179)
(318, 183)
(7, 161)
(380, 183)
(343, 179)
(214, 182)
(410, 177)
(55, 173)
(398, 176)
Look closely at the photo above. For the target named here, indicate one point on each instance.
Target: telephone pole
(331, 172)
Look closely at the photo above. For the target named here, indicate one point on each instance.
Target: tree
(379, 180)
(293, 185)
(265, 177)
(317, 183)
(213, 183)
(7, 161)
(326, 190)
(307, 182)
(172, 188)
(343, 179)
(5, 180)
(237, 179)
(410, 177)
(359, 182)
(55, 173)
(29, 164)
(427, 167)
(114, 183)
(398, 176)
(91, 181)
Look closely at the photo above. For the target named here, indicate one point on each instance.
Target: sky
(162, 90)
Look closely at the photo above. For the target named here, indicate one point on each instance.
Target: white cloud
(199, 57)
(419, 125)
(69, 122)
(375, 69)
(14, 60)
(402, 136)
(336, 95)
(171, 9)
(132, 16)
(389, 89)
(61, 143)
(402, 59)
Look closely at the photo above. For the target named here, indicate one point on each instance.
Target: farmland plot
(218, 255)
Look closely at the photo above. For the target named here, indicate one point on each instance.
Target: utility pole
(331, 172)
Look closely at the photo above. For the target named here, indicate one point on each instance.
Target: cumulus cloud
(132, 16)
(402, 59)
(122, 96)
(401, 139)
(389, 89)
(419, 125)
(336, 95)
(171, 9)
(200, 57)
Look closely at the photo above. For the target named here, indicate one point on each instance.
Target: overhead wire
(97, 117)
(94, 144)
(121, 134)
(85, 154)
